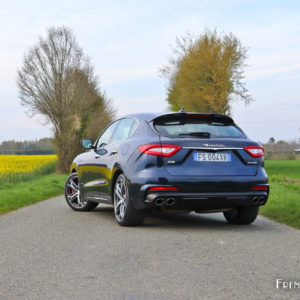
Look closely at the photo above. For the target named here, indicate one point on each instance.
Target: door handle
(97, 156)
(114, 152)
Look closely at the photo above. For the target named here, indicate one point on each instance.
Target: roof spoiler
(183, 115)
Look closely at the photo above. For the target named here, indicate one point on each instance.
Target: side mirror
(87, 144)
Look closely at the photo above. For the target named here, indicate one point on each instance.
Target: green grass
(284, 201)
(14, 196)
(287, 168)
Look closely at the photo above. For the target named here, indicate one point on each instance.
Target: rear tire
(242, 215)
(125, 213)
(73, 197)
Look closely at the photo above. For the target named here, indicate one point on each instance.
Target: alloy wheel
(73, 192)
(120, 198)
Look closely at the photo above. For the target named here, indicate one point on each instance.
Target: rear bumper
(205, 201)
(196, 192)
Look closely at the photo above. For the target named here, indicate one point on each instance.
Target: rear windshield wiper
(197, 134)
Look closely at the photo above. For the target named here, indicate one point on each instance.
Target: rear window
(197, 127)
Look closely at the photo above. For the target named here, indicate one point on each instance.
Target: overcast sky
(128, 41)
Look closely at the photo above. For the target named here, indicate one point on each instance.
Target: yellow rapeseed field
(14, 165)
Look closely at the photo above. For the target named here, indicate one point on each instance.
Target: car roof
(144, 116)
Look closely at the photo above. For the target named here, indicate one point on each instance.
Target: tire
(242, 215)
(125, 213)
(73, 197)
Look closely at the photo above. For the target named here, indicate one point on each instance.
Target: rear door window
(107, 134)
(197, 127)
(125, 128)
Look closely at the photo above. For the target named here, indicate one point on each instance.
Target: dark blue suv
(176, 161)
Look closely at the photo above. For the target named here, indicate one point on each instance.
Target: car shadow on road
(195, 221)
(106, 208)
(159, 219)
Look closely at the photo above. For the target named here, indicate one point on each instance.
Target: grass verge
(17, 195)
(284, 201)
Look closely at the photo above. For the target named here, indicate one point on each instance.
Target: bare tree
(58, 82)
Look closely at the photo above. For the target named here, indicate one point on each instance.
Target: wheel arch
(73, 168)
(117, 172)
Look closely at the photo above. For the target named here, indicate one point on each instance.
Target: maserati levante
(179, 162)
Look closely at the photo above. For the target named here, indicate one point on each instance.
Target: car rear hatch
(210, 145)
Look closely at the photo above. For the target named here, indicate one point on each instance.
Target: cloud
(267, 72)
(290, 77)
(21, 127)
(128, 41)
(153, 103)
(125, 74)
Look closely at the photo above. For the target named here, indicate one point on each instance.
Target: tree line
(282, 150)
(57, 81)
(41, 146)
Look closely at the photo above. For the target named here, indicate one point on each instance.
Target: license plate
(212, 157)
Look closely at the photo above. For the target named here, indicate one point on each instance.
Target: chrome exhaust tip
(159, 201)
(170, 201)
(262, 200)
(255, 200)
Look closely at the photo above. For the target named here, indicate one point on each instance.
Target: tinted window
(124, 130)
(106, 135)
(184, 127)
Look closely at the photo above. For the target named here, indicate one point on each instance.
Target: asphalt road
(48, 251)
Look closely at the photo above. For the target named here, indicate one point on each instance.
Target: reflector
(162, 188)
(261, 187)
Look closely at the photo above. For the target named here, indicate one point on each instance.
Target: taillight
(163, 188)
(159, 150)
(261, 187)
(255, 151)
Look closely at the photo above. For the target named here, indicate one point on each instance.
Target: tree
(58, 82)
(206, 72)
(271, 140)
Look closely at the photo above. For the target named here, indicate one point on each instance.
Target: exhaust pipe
(170, 201)
(159, 201)
(255, 200)
(262, 200)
